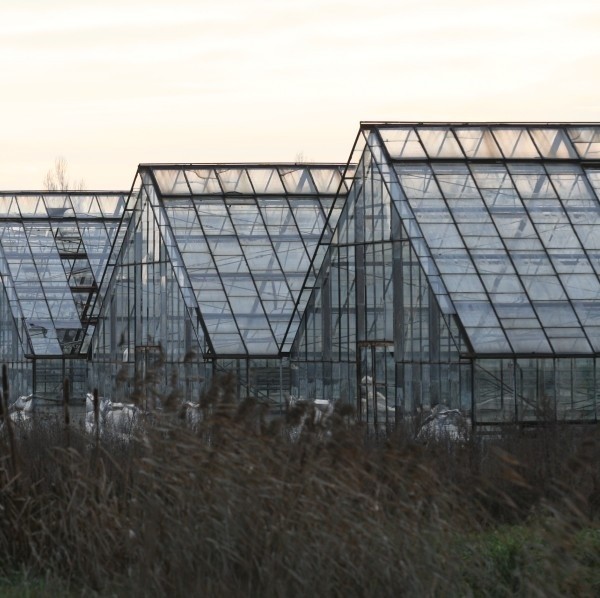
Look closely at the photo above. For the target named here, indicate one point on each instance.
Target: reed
(235, 505)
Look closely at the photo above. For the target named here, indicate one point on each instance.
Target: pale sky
(110, 84)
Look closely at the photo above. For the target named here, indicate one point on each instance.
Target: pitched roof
(505, 221)
(54, 248)
(248, 237)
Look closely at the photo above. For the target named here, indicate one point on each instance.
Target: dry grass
(233, 507)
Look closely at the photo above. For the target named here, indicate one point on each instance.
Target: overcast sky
(110, 84)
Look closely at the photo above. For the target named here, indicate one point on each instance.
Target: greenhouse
(463, 271)
(54, 250)
(446, 264)
(213, 275)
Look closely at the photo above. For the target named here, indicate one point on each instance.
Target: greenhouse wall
(147, 341)
(372, 334)
(528, 390)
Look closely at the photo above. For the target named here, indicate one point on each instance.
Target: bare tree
(57, 178)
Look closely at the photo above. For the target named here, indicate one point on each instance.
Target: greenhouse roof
(505, 219)
(54, 248)
(248, 237)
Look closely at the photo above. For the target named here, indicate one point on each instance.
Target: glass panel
(528, 340)
(297, 180)
(8, 206)
(463, 283)
(515, 143)
(266, 180)
(556, 314)
(455, 181)
(570, 182)
(455, 262)
(235, 180)
(418, 181)
(586, 141)
(214, 218)
(570, 345)
(110, 205)
(569, 262)
(495, 185)
(476, 313)
(326, 180)
(553, 143)
(430, 210)
(558, 235)
(442, 236)
(470, 210)
(58, 206)
(32, 206)
(532, 262)
(171, 182)
(593, 175)
(402, 143)
(86, 205)
(581, 286)
(518, 308)
(531, 181)
(477, 142)
(501, 283)
(541, 288)
(203, 181)
(488, 340)
(439, 142)
(515, 225)
(247, 220)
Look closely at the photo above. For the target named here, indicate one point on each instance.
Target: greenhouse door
(376, 383)
(148, 369)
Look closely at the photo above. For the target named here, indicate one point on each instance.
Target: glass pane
(58, 206)
(455, 181)
(111, 205)
(476, 313)
(171, 182)
(439, 142)
(297, 180)
(203, 181)
(266, 180)
(477, 142)
(327, 180)
(570, 181)
(235, 180)
(32, 206)
(488, 340)
(8, 206)
(515, 143)
(531, 181)
(553, 143)
(586, 141)
(418, 181)
(402, 143)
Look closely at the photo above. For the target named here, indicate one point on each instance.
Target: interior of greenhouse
(449, 264)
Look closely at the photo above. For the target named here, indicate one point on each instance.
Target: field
(240, 505)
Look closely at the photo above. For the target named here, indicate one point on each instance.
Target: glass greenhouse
(54, 250)
(453, 264)
(464, 271)
(214, 273)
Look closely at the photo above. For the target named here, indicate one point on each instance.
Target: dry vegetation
(233, 507)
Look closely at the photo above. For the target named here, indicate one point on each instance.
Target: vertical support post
(96, 416)
(66, 413)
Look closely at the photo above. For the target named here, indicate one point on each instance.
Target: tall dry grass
(235, 507)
